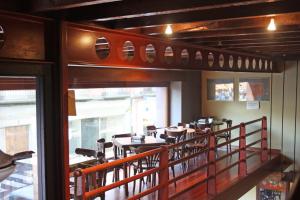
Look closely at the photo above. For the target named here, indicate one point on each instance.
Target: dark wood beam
(235, 32)
(257, 43)
(142, 8)
(274, 35)
(56, 5)
(267, 8)
(240, 23)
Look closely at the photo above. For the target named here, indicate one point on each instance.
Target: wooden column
(264, 141)
(211, 169)
(163, 193)
(242, 152)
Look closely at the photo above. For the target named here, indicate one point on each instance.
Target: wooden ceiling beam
(144, 8)
(240, 23)
(267, 8)
(234, 32)
(274, 35)
(58, 5)
(257, 43)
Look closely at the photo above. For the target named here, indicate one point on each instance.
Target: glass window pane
(254, 89)
(18, 133)
(220, 89)
(104, 112)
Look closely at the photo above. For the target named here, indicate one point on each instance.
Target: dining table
(125, 143)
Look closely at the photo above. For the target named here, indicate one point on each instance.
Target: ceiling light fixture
(168, 30)
(272, 25)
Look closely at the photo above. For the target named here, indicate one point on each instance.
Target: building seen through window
(104, 112)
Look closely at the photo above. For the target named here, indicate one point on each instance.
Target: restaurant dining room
(152, 100)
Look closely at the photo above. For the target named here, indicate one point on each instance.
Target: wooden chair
(181, 150)
(145, 164)
(225, 135)
(197, 145)
(93, 180)
(151, 130)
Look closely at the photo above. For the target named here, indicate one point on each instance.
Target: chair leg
(173, 172)
(134, 173)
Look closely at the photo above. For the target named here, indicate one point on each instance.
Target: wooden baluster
(163, 193)
(242, 152)
(264, 141)
(83, 176)
(77, 184)
(211, 169)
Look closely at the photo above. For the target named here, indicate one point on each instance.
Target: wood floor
(224, 180)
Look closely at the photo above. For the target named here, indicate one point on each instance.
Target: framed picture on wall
(220, 89)
(254, 89)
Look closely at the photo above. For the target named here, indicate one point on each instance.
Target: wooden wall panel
(23, 37)
(289, 108)
(81, 51)
(277, 94)
(297, 138)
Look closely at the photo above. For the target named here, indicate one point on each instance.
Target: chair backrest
(102, 145)
(179, 135)
(86, 152)
(151, 130)
(181, 124)
(152, 160)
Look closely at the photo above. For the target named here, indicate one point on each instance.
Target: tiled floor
(19, 185)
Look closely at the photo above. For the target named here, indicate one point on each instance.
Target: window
(220, 89)
(18, 133)
(254, 89)
(104, 112)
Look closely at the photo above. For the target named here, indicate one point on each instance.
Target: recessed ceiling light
(168, 30)
(272, 25)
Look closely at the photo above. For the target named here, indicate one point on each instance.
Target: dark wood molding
(80, 50)
(267, 8)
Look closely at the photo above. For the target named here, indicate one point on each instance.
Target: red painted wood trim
(163, 176)
(242, 155)
(264, 142)
(211, 169)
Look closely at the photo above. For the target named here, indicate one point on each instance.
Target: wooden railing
(94, 189)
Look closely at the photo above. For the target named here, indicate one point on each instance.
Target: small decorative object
(221, 60)
(198, 57)
(138, 138)
(247, 63)
(169, 55)
(266, 65)
(271, 65)
(260, 64)
(210, 59)
(150, 53)
(239, 62)
(231, 61)
(128, 50)
(253, 64)
(102, 47)
(185, 57)
(1, 37)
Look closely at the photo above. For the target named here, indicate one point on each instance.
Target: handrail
(119, 162)
(198, 137)
(164, 165)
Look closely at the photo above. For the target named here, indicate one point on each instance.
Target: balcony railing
(86, 186)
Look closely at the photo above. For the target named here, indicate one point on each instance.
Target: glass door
(21, 165)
